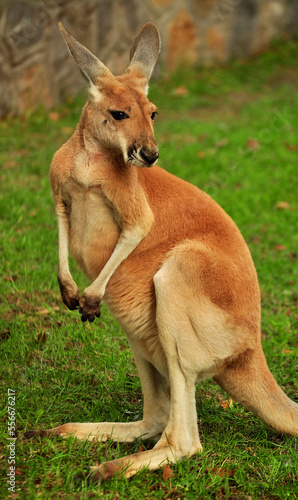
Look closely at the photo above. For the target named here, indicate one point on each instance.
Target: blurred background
(35, 68)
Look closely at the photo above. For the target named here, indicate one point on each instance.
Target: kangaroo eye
(119, 115)
(153, 115)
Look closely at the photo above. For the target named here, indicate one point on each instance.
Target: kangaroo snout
(143, 156)
(149, 155)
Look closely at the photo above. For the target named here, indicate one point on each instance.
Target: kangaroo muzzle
(143, 156)
(150, 156)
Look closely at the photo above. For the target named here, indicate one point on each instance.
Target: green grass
(64, 371)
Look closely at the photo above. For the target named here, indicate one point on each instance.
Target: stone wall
(35, 67)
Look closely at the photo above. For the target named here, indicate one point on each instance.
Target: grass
(64, 371)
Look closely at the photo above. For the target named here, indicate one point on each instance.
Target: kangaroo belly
(93, 231)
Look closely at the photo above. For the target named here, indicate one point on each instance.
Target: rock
(35, 67)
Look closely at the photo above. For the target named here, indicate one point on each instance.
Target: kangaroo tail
(249, 381)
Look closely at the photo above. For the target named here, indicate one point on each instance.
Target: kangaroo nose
(149, 156)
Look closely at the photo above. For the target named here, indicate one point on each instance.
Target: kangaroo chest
(93, 229)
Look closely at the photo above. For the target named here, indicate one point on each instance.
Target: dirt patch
(39, 303)
(285, 75)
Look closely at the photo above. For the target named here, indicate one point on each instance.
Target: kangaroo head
(118, 114)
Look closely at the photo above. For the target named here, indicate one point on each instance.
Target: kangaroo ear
(144, 50)
(91, 67)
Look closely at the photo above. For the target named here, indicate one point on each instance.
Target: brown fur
(168, 261)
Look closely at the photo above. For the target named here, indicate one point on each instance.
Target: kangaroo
(167, 260)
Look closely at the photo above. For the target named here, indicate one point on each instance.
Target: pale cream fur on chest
(93, 229)
(87, 169)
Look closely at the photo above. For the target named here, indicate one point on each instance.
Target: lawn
(230, 131)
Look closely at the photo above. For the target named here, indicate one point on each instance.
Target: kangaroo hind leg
(182, 316)
(155, 415)
(180, 436)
